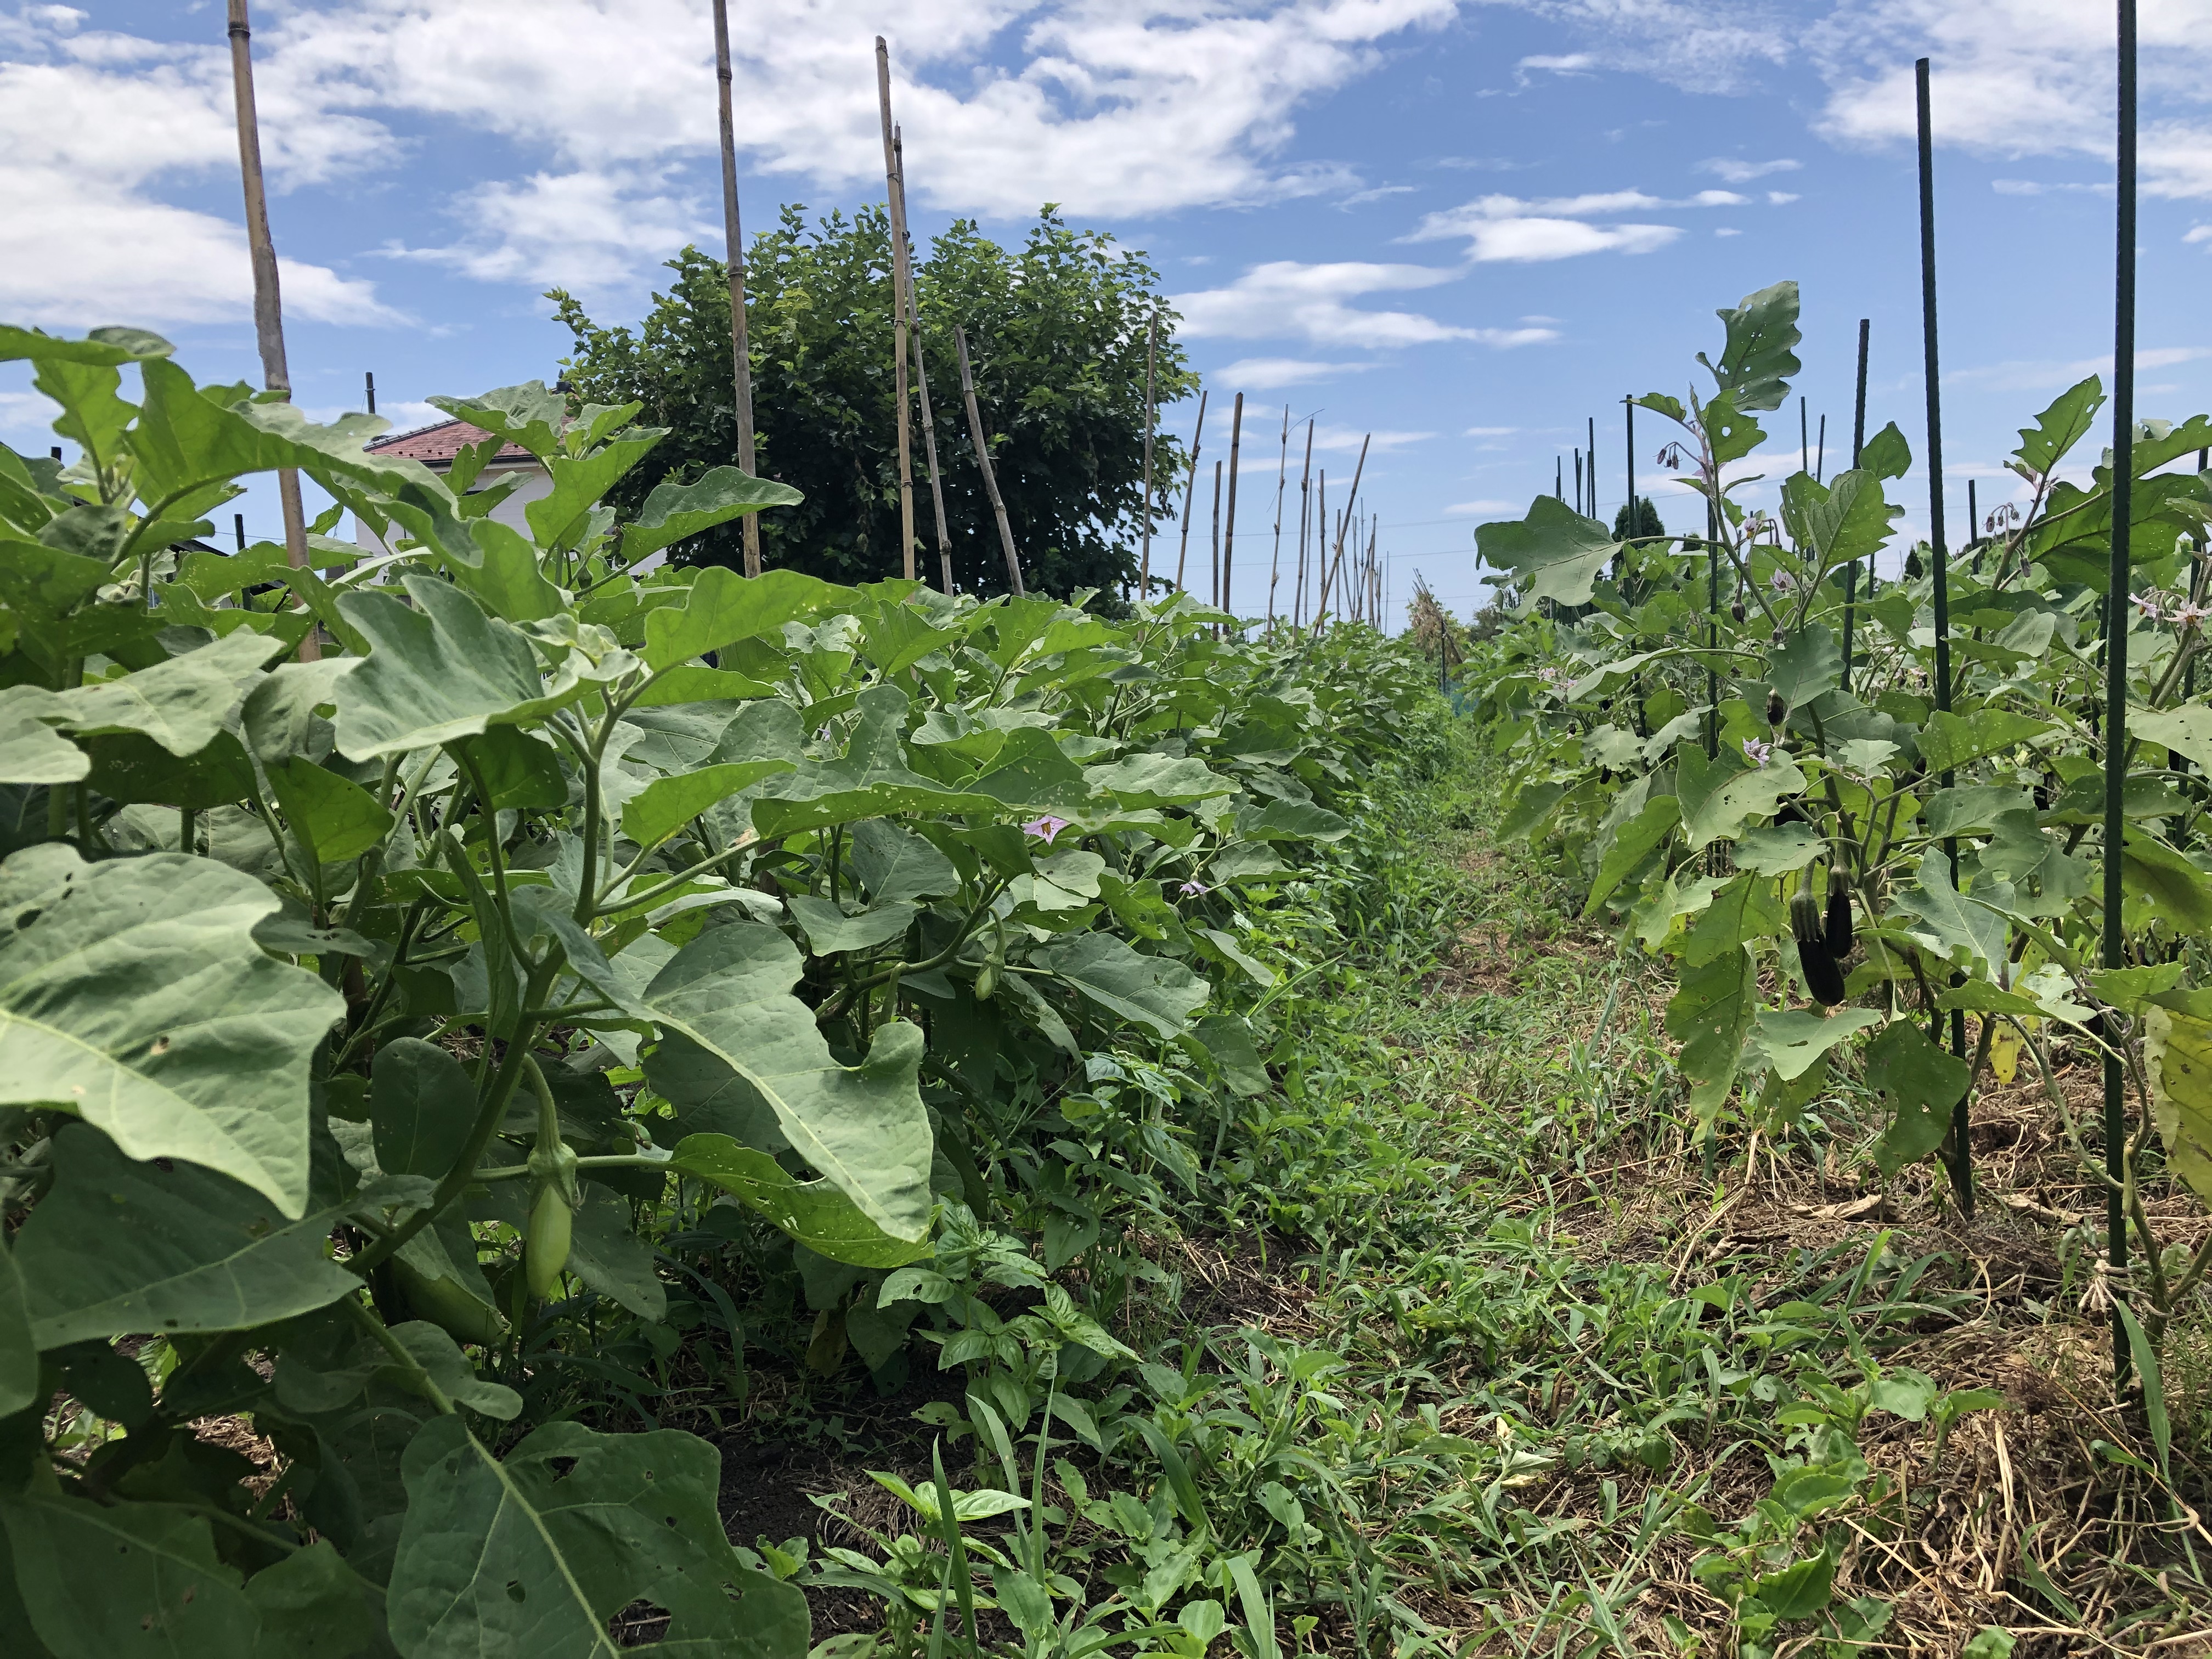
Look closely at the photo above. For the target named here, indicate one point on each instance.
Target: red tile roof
(436, 446)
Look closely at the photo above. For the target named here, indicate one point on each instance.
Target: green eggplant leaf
(1921, 1082)
(1759, 360)
(120, 1246)
(894, 864)
(1719, 795)
(815, 1212)
(863, 1126)
(421, 1106)
(333, 816)
(666, 805)
(2186, 730)
(1157, 993)
(829, 930)
(132, 992)
(724, 608)
(103, 1579)
(1554, 553)
(1632, 842)
(1157, 780)
(2058, 428)
(19, 1350)
(1950, 741)
(675, 512)
(1749, 906)
(1793, 1042)
(2178, 1054)
(1807, 664)
(534, 1553)
(438, 671)
(1711, 1014)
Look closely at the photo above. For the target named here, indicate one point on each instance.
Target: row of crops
(1865, 819)
(439, 990)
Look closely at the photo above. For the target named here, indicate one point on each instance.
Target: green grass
(1452, 1343)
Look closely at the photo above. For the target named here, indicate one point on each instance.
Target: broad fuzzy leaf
(1157, 993)
(1757, 361)
(120, 1246)
(2178, 1051)
(534, 1553)
(815, 1212)
(103, 1579)
(439, 670)
(1555, 552)
(724, 608)
(1712, 1013)
(132, 992)
(863, 1126)
(1719, 795)
(1923, 1083)
(675, 511)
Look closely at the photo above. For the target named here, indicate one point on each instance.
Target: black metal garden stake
(1858, 443)
(1962, 1156)
(2116, 656)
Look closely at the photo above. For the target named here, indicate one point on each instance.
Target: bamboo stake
(921, 380)
(1213, 587)
(1190, 489)
(1321, 550)
(1282, 479)
(1229, 539)
(1151, 412)
(1375, 576)
(1336, 562)
(983, 460)
(741, 356)
(1305, 503)
(268, 305)
(897, 211)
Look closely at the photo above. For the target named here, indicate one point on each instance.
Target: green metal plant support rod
(1962, 1153)
(2116, 657)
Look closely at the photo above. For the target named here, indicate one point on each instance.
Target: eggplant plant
(399, 954)
(1844, 867)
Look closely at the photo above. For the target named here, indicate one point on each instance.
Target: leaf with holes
(534, 1553)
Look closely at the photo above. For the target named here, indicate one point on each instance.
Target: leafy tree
(1646, 522)
(1057, 332)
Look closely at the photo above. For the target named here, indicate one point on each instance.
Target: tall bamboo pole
(1962, 1156)
(1229, 538)
(1151, 414)
(1213, 587)
(1336, 561)
(1635, 514)
(897, 211)
(733, 248)
(1305, 503)
(1321, 549)
(2116, 657)
(922, 378)
(1282, 480)
(1190, 489)
(983, 460)
(268, 305)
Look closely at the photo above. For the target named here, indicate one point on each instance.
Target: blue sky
(1464, 227)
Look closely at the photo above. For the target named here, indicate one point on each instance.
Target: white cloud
(1567, 64)
(1513, 228)
(1285, 299)
(1700, 45)
(1380, 193)
(2031, 374)
(1490, 431)
(2198, 234)
(1727, 230)
(1273, 374)
(93, 126)
(1781, 197)
(2022, 77)
(1736, 171)
(1349, 439)
(1484, 509)
(1110, 109)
